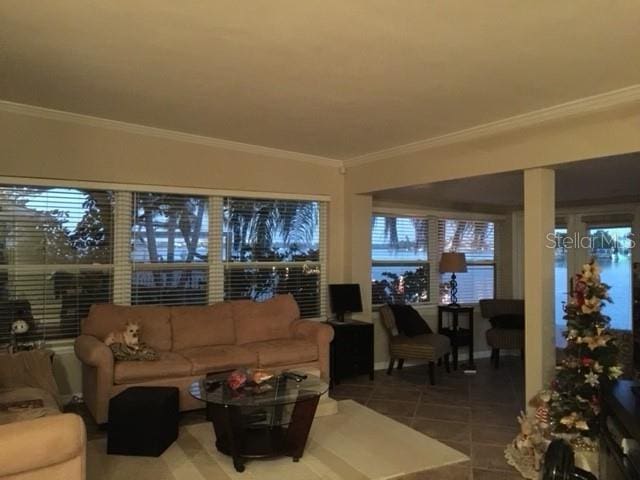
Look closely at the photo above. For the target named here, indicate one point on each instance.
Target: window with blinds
(56, 258)
(476, 239)
(169, 249)
(399, 254)
(64, 249)
(273, 247)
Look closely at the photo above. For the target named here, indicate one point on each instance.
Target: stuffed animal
(19, 327)
(130, 336)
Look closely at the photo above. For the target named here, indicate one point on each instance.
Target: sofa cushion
(198, 326)
(258, 321)
(169, 365)
(284, 351)
(154, 322)
(219, 358)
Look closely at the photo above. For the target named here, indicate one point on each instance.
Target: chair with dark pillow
(507, 326)
(410, 337)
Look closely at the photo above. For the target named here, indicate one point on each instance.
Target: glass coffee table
(265, 421)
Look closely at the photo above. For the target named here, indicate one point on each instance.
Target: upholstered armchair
(507, 326)
(431, 347)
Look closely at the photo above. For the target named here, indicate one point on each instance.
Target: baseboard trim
(462, 357)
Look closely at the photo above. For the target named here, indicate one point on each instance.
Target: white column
(635, 231)
(578, 255)
(539, 222)
(359, 209)
(123, 211)
(216, 267)
(517, 254)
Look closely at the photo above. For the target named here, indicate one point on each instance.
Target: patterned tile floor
(475, 414)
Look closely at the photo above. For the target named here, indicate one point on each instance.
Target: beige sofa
(195, 340)
(38, 442)
(47, 448)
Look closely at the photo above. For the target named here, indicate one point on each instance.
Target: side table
(460, 337)
(351, 351)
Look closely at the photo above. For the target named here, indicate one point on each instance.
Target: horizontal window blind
(476, 239)
(399, 252)
(273, 247)
(64, 249)
(169, 249)
(56, 247)
(477, 283)
(472, 237)
(395, 238)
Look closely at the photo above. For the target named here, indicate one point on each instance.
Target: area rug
(354, 444)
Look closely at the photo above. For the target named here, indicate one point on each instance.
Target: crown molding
(88, 120)
(595, 103)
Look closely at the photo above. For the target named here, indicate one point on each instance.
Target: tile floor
(475, 414)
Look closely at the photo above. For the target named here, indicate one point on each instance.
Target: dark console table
(620, 432)
(351, 350)
(459, 336)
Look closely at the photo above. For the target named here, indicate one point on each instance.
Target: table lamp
(453, 262)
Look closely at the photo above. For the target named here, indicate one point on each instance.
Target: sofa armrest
(43, 442)
(93, 352)
(318, 332)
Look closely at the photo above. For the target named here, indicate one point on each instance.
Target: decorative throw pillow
(408, 321)
(510, 321)
(126, 353)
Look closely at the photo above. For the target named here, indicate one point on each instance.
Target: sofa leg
(400, 363)
(447, 365)
(392, 361)
(432, 373)
(496, 357)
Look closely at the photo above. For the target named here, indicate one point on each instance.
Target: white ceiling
(335, 78)
(597, 181)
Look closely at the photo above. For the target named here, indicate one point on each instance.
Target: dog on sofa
(129, 337)
(127, 346)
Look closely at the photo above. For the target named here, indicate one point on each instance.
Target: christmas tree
(591, 357)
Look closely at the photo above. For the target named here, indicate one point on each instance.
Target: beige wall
(51, 149)
(573, 138)
(577, 138)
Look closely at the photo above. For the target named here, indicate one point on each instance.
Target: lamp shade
(453, 262)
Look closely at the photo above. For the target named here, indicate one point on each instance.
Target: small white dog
(130, 336)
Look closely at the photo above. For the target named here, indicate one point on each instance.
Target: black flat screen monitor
(345, 297)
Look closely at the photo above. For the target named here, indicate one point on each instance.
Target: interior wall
(572, 138)
(45, 148)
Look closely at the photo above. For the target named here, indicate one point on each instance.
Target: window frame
(51, 327)
(121, 264)
(434, 244)
(493, 263)
(427, 263)
(227, 264)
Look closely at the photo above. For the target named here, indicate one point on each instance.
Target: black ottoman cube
(143, 421)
